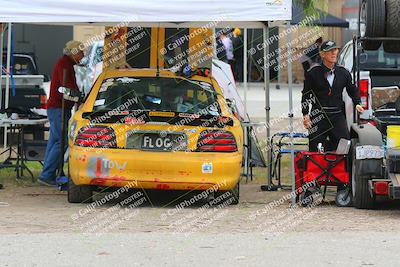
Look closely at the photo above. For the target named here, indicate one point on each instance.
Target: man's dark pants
(332, 125)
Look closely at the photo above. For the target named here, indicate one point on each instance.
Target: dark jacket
(316, 84)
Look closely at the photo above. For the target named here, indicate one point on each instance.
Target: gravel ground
(38, 227)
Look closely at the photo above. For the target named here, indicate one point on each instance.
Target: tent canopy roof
(77, 11)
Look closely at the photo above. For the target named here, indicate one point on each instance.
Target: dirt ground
(45, 210)
(38, 227)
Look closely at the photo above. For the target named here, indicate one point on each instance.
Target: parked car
(375, 154)
(30, 98)
(29, 91)
(378, 69)
(157, 129)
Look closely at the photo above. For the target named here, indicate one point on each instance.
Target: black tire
(344, 197)
(392, 26)
(373, 13)
(79, 193)
(235, 194)
(311, 197)
(359, 184)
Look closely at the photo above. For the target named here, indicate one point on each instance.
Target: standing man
(228, 46)
(63, 75)
(238, 54)
(323, 89)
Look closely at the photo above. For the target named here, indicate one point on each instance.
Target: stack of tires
(380, 18)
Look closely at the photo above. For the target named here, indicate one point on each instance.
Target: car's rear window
(156, 94)
(23, 65)
(379, 59)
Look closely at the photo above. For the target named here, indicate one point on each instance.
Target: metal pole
(1, 64)
(245, 69)
(246, 139)
(8, 66)
(290, 115)
(7, 93)
(214, 38)
(267, 100)
(1, 71)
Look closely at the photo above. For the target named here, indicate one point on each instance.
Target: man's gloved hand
(307, 121)
(359, 108)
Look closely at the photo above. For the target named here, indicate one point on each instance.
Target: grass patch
(260, 175)
(8, 176)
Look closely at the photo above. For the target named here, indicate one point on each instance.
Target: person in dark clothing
(63, 75)
(323, 89)
(238, 54)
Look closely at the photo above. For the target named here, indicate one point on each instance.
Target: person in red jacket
(63, 75)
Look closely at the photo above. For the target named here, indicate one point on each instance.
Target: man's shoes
(62, 180)
(43, 181)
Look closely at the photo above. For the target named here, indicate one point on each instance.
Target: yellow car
(149, 129)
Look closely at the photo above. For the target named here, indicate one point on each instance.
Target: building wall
(83, 33)
(45, 41)
(333, 7)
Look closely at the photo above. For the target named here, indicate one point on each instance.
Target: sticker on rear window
(189, 115)
(127, 80)
(207, 168)
(205, 85)
(103, 89)
(99, 102)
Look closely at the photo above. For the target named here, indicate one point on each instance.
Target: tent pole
(1, 63)
(266, 87)
(246, 137)
(1, 71)
(245, 69)
(7, 93)
(214, 42)
(289, 46)
(8, 66)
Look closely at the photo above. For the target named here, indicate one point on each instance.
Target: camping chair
(278, 144)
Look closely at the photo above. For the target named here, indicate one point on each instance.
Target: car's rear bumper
(154, 170)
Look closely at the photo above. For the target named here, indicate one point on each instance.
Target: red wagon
(314, 170)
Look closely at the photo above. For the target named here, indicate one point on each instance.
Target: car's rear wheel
(372, 22)
(234, 195)
(392, 26)
(79, 193)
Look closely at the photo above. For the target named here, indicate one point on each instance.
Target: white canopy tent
(157, 13)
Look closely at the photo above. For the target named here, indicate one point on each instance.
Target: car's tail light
(96, 137)
(216, 141)
(381, 188)
(364, 93)
(43, 102)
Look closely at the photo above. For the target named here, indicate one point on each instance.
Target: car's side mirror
(71, 95)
